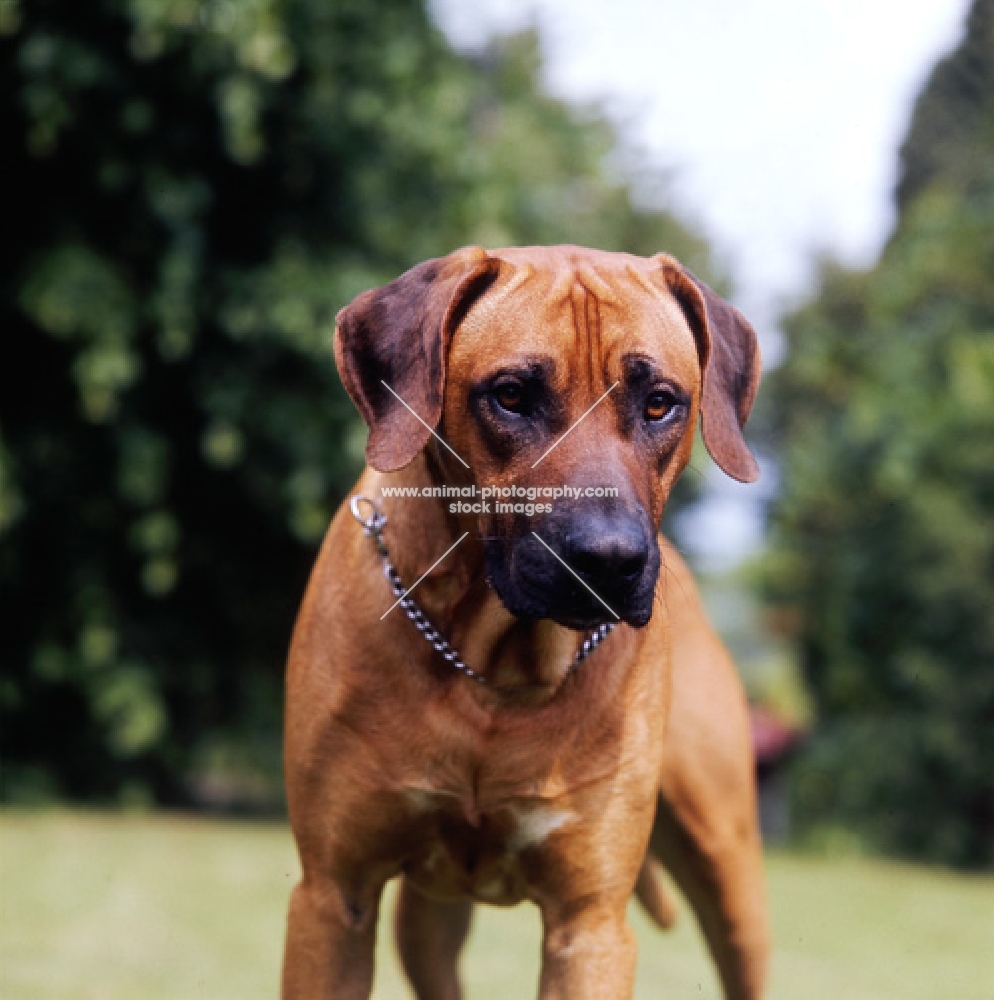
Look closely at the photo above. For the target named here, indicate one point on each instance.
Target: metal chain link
(372, 527)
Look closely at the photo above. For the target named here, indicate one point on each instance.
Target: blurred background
(192, 188)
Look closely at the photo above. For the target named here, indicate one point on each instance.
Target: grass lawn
(158, 907)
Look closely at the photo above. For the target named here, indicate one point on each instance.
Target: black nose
(605, 549)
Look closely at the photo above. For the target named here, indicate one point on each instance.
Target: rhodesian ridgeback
(499, 700)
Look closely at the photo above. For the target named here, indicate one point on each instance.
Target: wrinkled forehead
(583, 310)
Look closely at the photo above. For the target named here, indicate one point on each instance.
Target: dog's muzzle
(581, 569)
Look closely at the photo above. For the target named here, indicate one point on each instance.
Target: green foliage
(191, 189)
(884, 535)
(950, 129)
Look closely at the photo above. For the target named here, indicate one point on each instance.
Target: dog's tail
(652, 893)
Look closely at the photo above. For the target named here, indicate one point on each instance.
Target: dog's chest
(489, 857)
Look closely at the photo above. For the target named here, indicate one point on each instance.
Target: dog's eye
(510, 395)
(659, 404)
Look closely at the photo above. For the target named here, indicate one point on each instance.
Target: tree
(884, 534)
(192, 189)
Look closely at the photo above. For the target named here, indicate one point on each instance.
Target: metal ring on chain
(373, 525)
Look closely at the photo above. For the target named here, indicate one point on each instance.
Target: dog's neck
(526, 659)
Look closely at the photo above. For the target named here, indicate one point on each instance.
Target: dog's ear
(730, 358)
(392, 342)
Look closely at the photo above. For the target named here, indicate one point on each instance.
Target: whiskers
(666, 573)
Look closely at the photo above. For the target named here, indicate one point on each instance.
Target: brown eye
(510, 395)
(658, 405)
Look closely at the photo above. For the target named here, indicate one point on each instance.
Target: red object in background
(772, 737)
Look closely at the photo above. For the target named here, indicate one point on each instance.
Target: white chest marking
(533, 824)
(420, 801)
(530, 824)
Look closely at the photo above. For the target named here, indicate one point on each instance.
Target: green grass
(152, 907)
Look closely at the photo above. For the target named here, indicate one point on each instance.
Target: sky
(780, 119)
(779, 122)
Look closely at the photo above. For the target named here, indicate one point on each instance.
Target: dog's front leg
(588, 952)
(331, 936)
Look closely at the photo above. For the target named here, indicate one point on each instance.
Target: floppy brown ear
(396, 338)
(730, 356)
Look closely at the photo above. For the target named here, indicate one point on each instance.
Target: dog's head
(545, 368)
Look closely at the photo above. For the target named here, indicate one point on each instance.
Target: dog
(573, 724)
